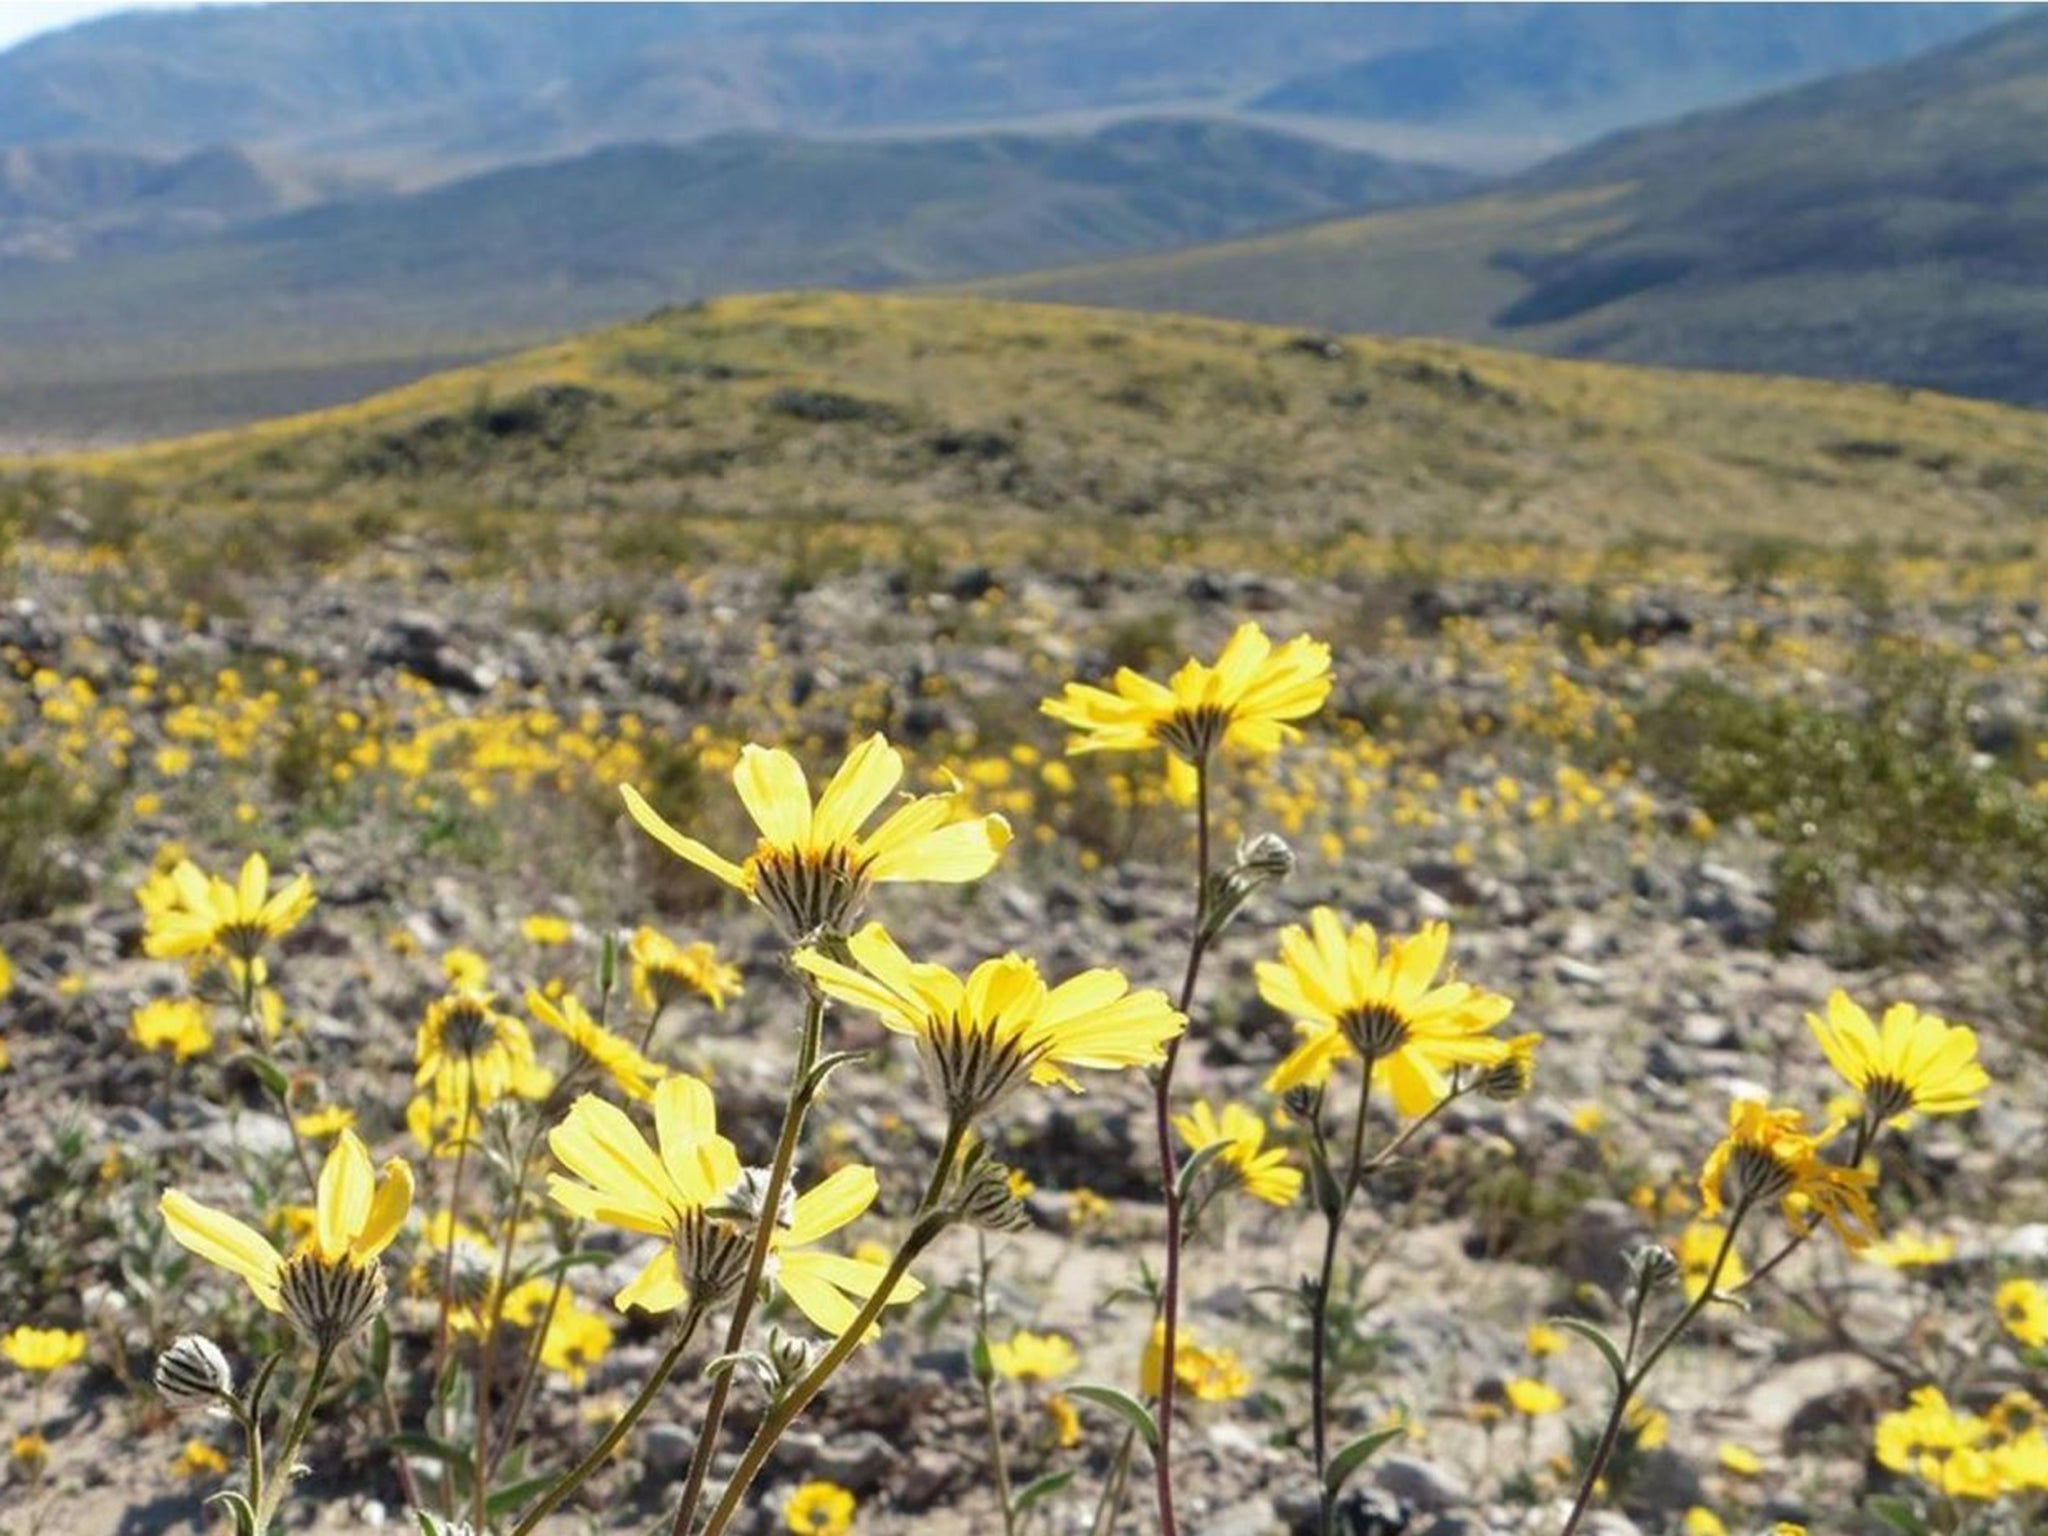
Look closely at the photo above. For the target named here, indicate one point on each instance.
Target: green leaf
(240, 1508)
(379, 1364)
(1041, 1488)
(518, 1495)
(548, 1269)
(1899, 1514)
(1124, 1406)
(827, 1066)
(1357, 1454)
(268, 1073)
(1191, 1170)
(1597, 1337)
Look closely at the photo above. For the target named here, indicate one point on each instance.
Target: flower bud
(1651, 1267)
(193, 1375)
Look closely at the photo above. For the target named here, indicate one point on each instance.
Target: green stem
(757, 1259)
(495, 1313)
(1113, 1487)
(288, 1453)
(997, 1459)
(1169, 1168)
(579, 1474)
(1319, 1318)
(1629, 1385)
(930, 1224)
(530, 1373)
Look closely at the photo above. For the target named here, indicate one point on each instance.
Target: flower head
(40, 1351)
(2022, 1308)
(634, 1074)
(193, 1375)
(819, 1509)
(1352, 996)
(984, 1036)
(1911, 1062)
(1532, 1398)
(467, 1046)
(1247, 700)
(1912, 1250)
(692, 1192)
(174, 1025)
(1033, 1357)
(664, 970)
(204, 914)
(332, 1284)
(1262, 1170)
(813, 867)
(1768, 1154)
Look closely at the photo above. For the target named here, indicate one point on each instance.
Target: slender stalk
(454, 1209)
(495, 1314)
(579, 1474)
(791, 1406)
(653, 1022)
(1113, 1487)
(997, 1459)
(288, 1453)
(1319, 1308)
(530, 1373)
(407, 1483)
(253, 1030)
(1638, 1373)
(1169, 1166)
(757, 1259)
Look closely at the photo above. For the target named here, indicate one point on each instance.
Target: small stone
(1421, 1485)
(667, 1448)
(1599, 1233)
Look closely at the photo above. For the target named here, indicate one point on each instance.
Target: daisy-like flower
(985, 1036)
(664, 970)
(1768, 1154)
(333, 1284)
(1532, 1398)
(1911, 1250)
(1262, 1170)
(1248, 701)
(1204, 1374)
(1909, 1063)
(2023, 1308)
(1033, 1357)
(813, 867)
(41, 1351)
(176, 1025)
(694, 1195)
(204, 914)
(634, 1073)
(1352, 996)
(467, 1048)
(819, 1509)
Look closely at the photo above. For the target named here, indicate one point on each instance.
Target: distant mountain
(530, 249)
(1888, 224)
(1577, 70)
(63, 202)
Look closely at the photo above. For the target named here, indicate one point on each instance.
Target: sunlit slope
(957, 413)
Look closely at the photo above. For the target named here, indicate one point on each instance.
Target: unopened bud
(193, 1375)
(1651, 1267)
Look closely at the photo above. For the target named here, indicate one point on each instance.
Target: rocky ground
(1501, 753)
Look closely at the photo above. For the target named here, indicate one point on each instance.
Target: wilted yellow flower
(1065, 1421)
(2023, 1309)
(40, 1351)
(664, 970)
(1248, 701)
(333, 1284)
(1263, 1171)
(31, 1452)
(206, 914)
(812, 869)
(693, 1193)
(819, 1509)
(1650, 1426)
(1911, 1063)
(1204, 1374)
(1768, 1155)
(1349, 997)
(174, 1025)
(1033, 1357)
(1532, 1398)
(634, 1074)
(983, 1037)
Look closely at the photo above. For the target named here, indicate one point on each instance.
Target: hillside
(813, 424)
(530, 250)
(1885, 224)
(1580, 70)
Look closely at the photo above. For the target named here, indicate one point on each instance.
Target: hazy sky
(25, 18)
